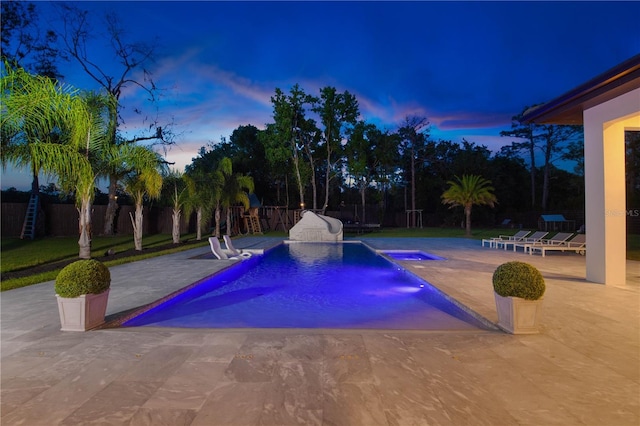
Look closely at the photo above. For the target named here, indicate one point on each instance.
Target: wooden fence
(58, 220)
(62, 219)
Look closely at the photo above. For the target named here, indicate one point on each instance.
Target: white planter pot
(82, 313)
(518, 316)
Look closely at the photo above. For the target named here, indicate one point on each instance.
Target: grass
(20, 254)
(477, 234)
(23, 254)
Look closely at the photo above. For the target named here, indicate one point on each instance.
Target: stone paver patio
(582, 369)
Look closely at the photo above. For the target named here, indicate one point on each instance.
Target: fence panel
(60, 220)
(12, 218)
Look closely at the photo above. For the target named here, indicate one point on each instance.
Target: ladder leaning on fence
(29, 225)
(254, 225)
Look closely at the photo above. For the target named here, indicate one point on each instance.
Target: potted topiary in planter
(82, 290)
(518, 289)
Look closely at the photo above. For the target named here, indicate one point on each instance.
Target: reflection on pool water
(311, 285)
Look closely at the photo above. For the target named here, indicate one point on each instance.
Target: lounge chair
(577, 244)
(234, 251)
(493, 242)
(217, 250)
(536, 236)
(556, 240)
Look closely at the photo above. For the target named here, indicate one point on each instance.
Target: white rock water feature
(316, 227)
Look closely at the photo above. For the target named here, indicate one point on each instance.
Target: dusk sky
(466, 66)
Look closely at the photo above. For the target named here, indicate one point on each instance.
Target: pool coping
(119, 318)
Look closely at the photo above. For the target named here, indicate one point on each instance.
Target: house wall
(605, 206)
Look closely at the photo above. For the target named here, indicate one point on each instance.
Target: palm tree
(144, 181)
(217, 186)
(235, 189)
(203, 193)
(178, 194)
(470, 190)
(36, 105)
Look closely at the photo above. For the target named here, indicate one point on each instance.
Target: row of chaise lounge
(562, 241)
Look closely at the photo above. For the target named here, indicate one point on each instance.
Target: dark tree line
(303, 159)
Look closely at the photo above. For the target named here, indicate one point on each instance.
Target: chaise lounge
(536, 236)
(556, 240)
(217, 251)
(493, 242)
(577, 244)
(234, 251)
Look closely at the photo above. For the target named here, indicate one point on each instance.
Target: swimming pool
(311, 285)
(411, 255)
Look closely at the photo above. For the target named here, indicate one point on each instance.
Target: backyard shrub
(83, 277)
(518, 279)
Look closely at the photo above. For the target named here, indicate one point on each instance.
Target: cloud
(471, 120)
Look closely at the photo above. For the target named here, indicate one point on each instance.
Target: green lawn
(477, 234)
(20, 254)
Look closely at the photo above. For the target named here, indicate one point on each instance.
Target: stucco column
(605, 205)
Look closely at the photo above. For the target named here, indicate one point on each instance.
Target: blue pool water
(311, 285)
(411, 255)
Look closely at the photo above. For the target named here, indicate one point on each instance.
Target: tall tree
(553, 140)
(278, 161)
(24, 44)
(23, 41)
(510, 176)
(37, 105)
(144, 180)
(574, 151)
(235, 189)
(288, 114)
(413, 135)
(176, 193)
(336, 112)
(388, 163)
(203, 188)
(207, 172)
(309, 139)
(217, 186)
(525, 141)
(133, 60)
(248, 157)
(468, 191)
(362, 162)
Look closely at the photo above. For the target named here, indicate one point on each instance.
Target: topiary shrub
(83, 277)
(518, 279)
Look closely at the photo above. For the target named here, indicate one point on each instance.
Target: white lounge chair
(577, 244)
(493, 242)
(234, 251)
(556, 240)
(217, 250)
(536, 236)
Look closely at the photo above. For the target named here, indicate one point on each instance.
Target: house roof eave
(568, 108)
